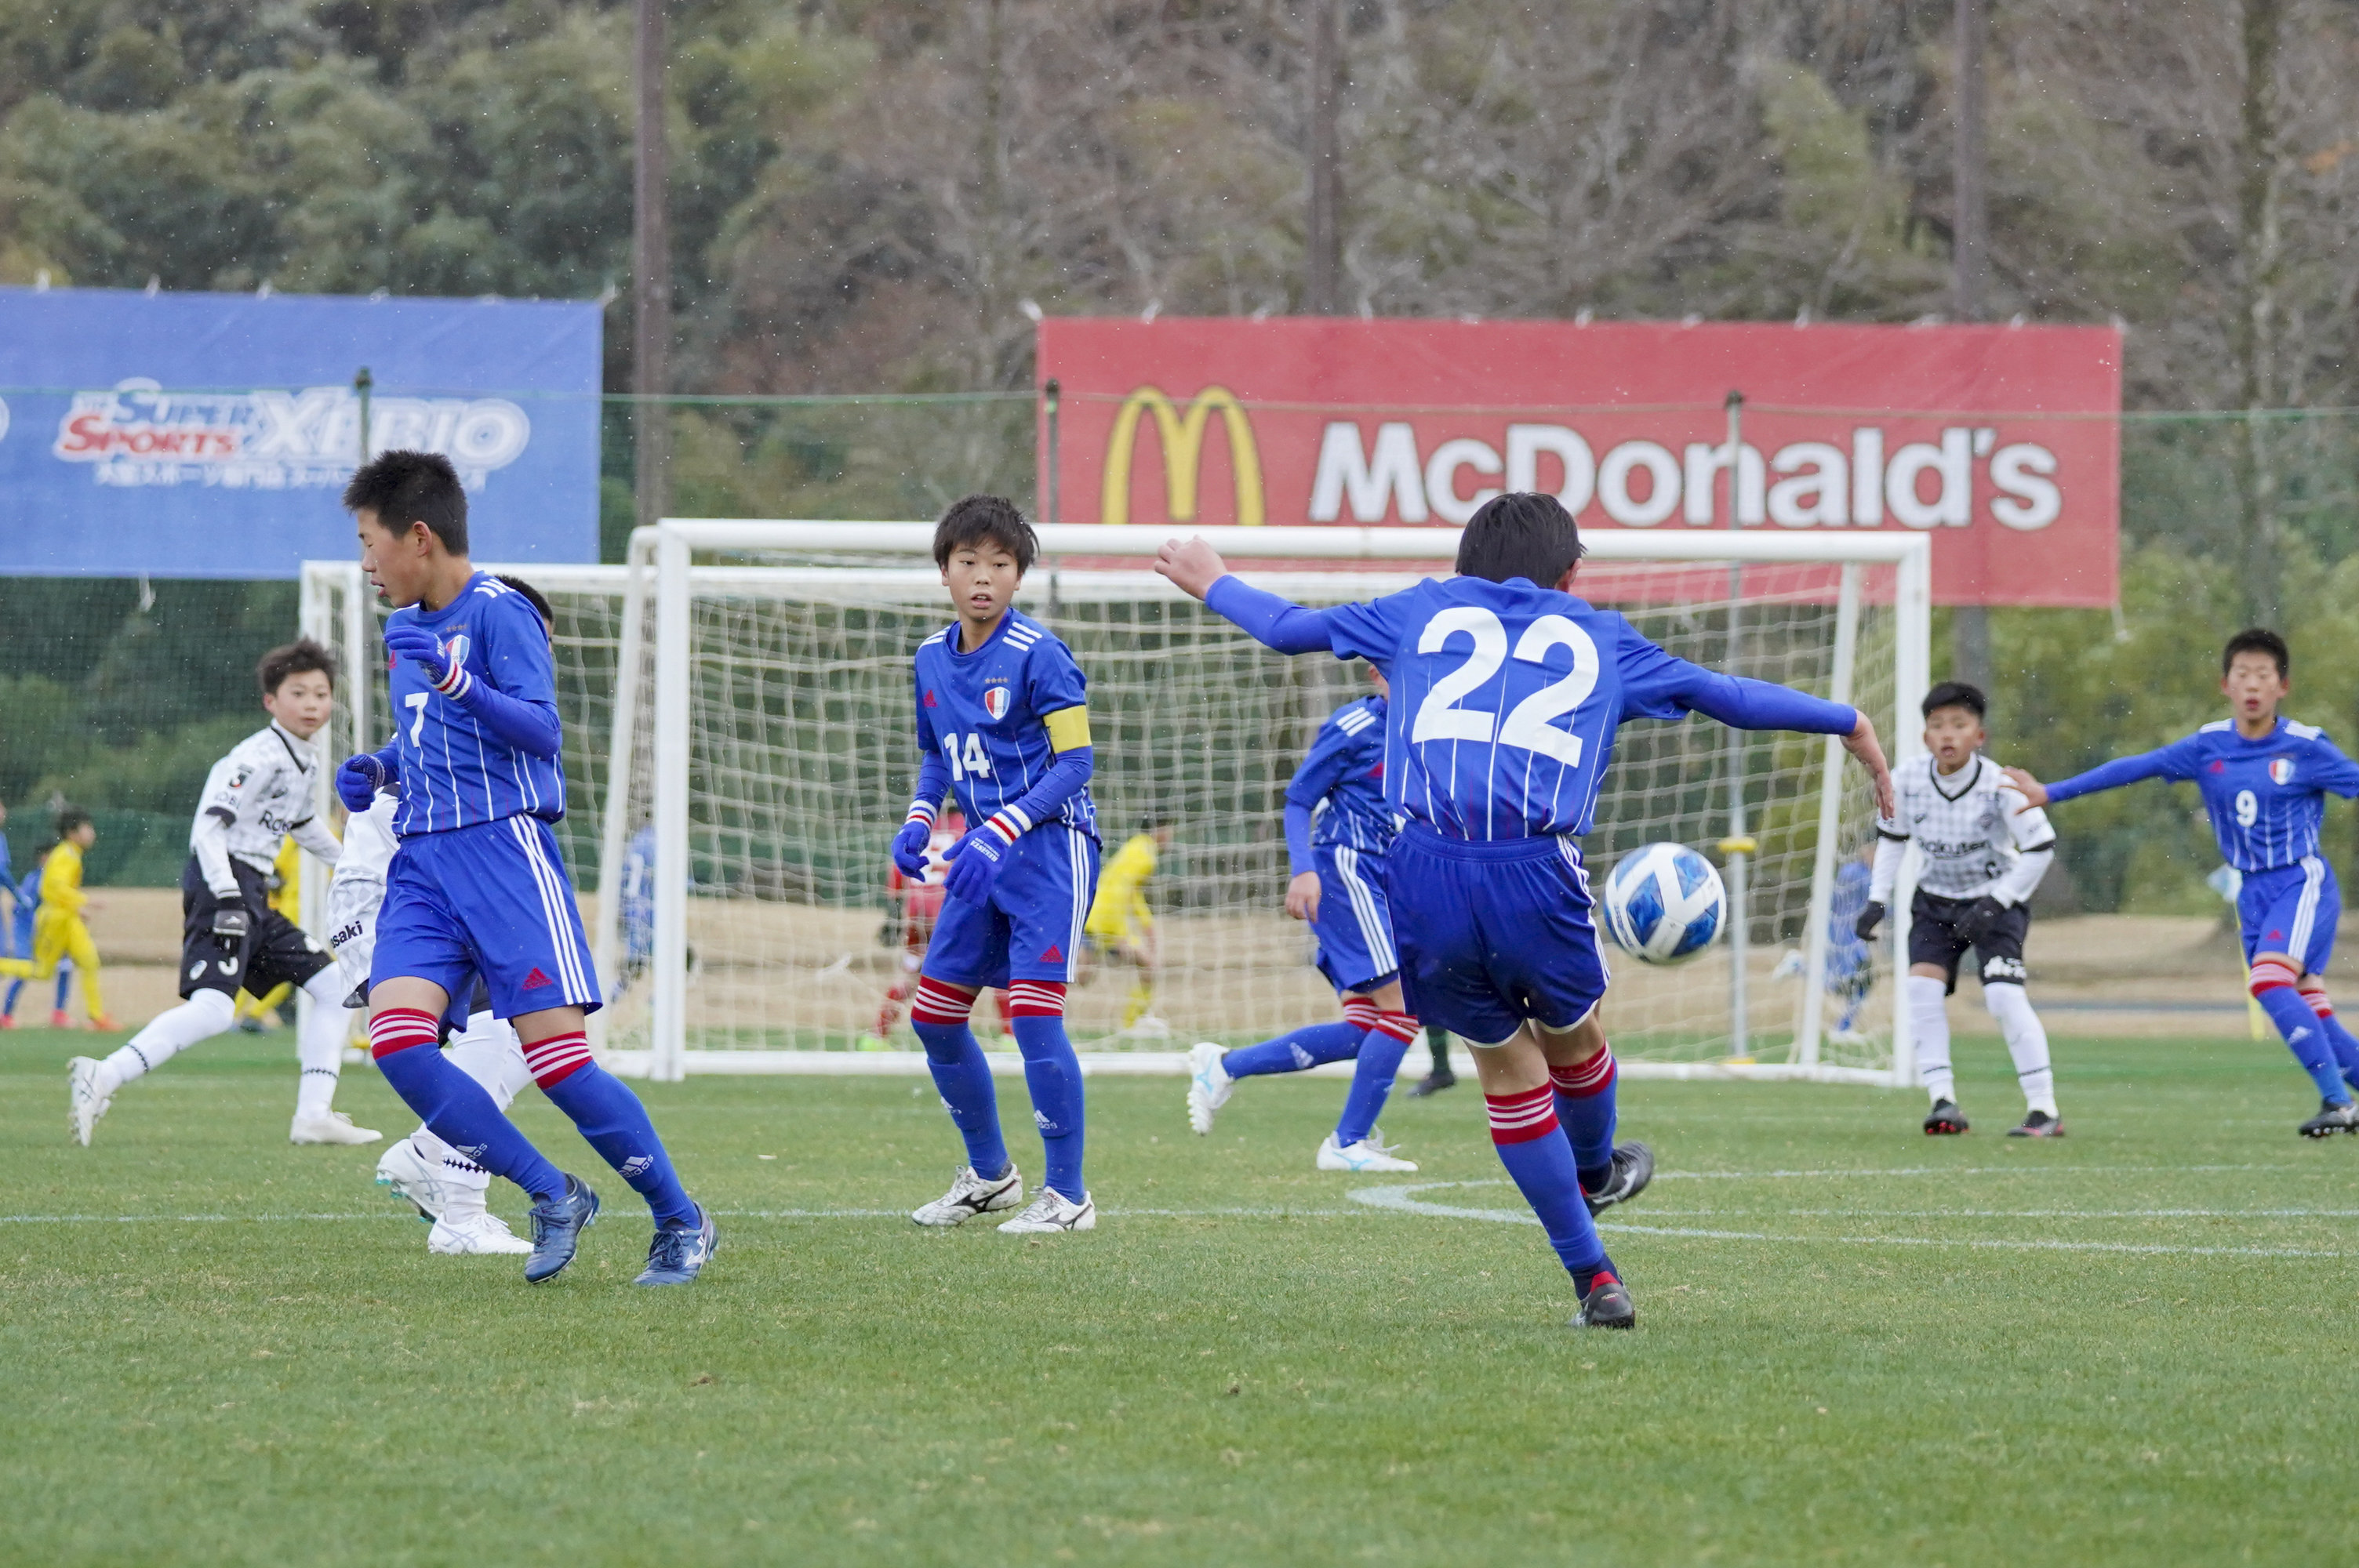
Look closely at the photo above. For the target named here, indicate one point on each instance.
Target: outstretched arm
(2165, 763)
(1656, 684)
(1197, 570)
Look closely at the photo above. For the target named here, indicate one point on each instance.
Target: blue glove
(976, 861)
(417, 645)
(909, 848)
(358, 779)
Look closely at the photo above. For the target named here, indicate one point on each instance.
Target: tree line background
(866, 194)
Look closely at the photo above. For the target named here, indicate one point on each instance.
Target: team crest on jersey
(996, 701)
(455, 650)
(2281, 770)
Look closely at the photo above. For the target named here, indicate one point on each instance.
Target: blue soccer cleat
(557, 1228)
(676, 1255)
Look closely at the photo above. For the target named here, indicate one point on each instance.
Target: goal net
(738, 705)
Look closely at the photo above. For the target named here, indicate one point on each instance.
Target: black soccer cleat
(1433, 1084)
(2038, 1124)
(557, 1228)
(2330, 1119)
(1634, 1167)
(1608, 1305)
(1945, 1118)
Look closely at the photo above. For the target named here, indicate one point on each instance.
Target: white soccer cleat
(1052, 1212)
(333, 1128)
(414, 1177)
(87, 1095)
(970, 1194)
(477, 1233)
(1209, 1085)
(1367, 1154)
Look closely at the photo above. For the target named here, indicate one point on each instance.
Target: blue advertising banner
(210, 435)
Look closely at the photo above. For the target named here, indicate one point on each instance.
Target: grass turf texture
(1242, 1366)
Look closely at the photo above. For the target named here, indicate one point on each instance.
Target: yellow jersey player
(59, 929)
(1121, 925)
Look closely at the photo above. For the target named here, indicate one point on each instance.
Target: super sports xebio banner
(2001, 442)
(211, 435)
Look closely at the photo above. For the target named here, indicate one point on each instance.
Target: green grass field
(1856, 1345)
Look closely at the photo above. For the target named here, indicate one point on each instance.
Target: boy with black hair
(1004, 722)
(231, 937)
(1983, 850)
(2265, 780)
(477, 888)
(1507, 692)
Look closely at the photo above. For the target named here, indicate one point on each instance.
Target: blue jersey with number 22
(1505, 697)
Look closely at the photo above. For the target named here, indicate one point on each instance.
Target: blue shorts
(1356, 919)
(1493, 933)
(2292, 910)
(492, 901)
(1031, 927)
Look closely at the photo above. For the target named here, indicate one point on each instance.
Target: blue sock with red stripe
(1305, 1047)
(1036, 1009)
(962, 1076)
(1584, 1104)
(2305, 1036)
(613, 1121)
(2338, 1039)
(455, 1108)
(1380, 1054)
(1533, 1148)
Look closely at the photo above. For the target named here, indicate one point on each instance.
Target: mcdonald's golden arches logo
(1183, 454)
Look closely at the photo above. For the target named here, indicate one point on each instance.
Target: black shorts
(1933, 939)
(276, 951)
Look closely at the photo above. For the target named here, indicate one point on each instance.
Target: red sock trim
(1401, 1026)
(1361, 1013)
(1036, 998)
(2272, 974)
(1520, 1118)
(937, 1002)
(557, 1058)
(1583, 1079)
(399, 1027)
(2313, 992)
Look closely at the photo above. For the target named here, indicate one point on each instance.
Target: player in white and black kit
(257, 795)
(445, 1187)
(1983, 851)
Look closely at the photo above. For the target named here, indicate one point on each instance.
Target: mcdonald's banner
(2001, 442)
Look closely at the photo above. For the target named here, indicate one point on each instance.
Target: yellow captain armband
(1069, 728)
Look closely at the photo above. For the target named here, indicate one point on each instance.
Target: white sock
(320, 1044)
(1929, 1014)
(490, 1053)
(2026, 1042)
(198, 1019)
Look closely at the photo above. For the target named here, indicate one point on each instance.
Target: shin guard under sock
(1584, 1103)
(2273, 988)
(1381, 1050)
(1533, 1148)
(1037, 1010)
(453, 1105)
(937, 1012)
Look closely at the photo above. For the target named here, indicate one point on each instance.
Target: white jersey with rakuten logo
(1970, 827)
(259, 793)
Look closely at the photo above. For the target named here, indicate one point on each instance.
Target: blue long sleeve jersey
(1506, 696)
(1337, 797)
(1005, 728)
(484, 742)
(2265, 797)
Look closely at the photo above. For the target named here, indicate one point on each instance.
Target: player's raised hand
(420, 648)
(1192, 565)
(974, 862)
(909, 848)
(2035, 793)
(1302, 896)
(358, 780)
(1862, 743)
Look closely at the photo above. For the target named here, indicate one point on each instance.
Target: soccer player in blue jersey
(1337, 830)
(477, 886)
(1507, 692)
(1004, 723)
(2265, 780)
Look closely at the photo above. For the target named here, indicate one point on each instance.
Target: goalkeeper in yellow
(59, 929)
(1121, 925)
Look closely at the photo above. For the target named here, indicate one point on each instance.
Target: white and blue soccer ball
(1664, 903)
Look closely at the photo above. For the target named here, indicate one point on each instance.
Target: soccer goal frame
(657, 584)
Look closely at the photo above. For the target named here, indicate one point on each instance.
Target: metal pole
(1737, 847)
(669, 1045)
(651, 273)
(1055, 396)
(1970, 637)
(363, 384)
(615, 811)
(1823, 859)
(1322, 259)
(1912, 614)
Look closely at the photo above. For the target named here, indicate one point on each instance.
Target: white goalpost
(739, 749)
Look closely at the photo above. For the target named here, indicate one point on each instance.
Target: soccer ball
(1664, 903)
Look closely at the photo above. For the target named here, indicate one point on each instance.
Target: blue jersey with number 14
(1505, 697)
(455, 771)
(987, 713)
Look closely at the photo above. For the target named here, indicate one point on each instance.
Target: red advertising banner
(2001, 442)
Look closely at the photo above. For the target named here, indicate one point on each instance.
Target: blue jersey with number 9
(1505, 697)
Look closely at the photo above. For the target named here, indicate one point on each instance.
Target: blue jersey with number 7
(1505, 697)
(455, 773)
